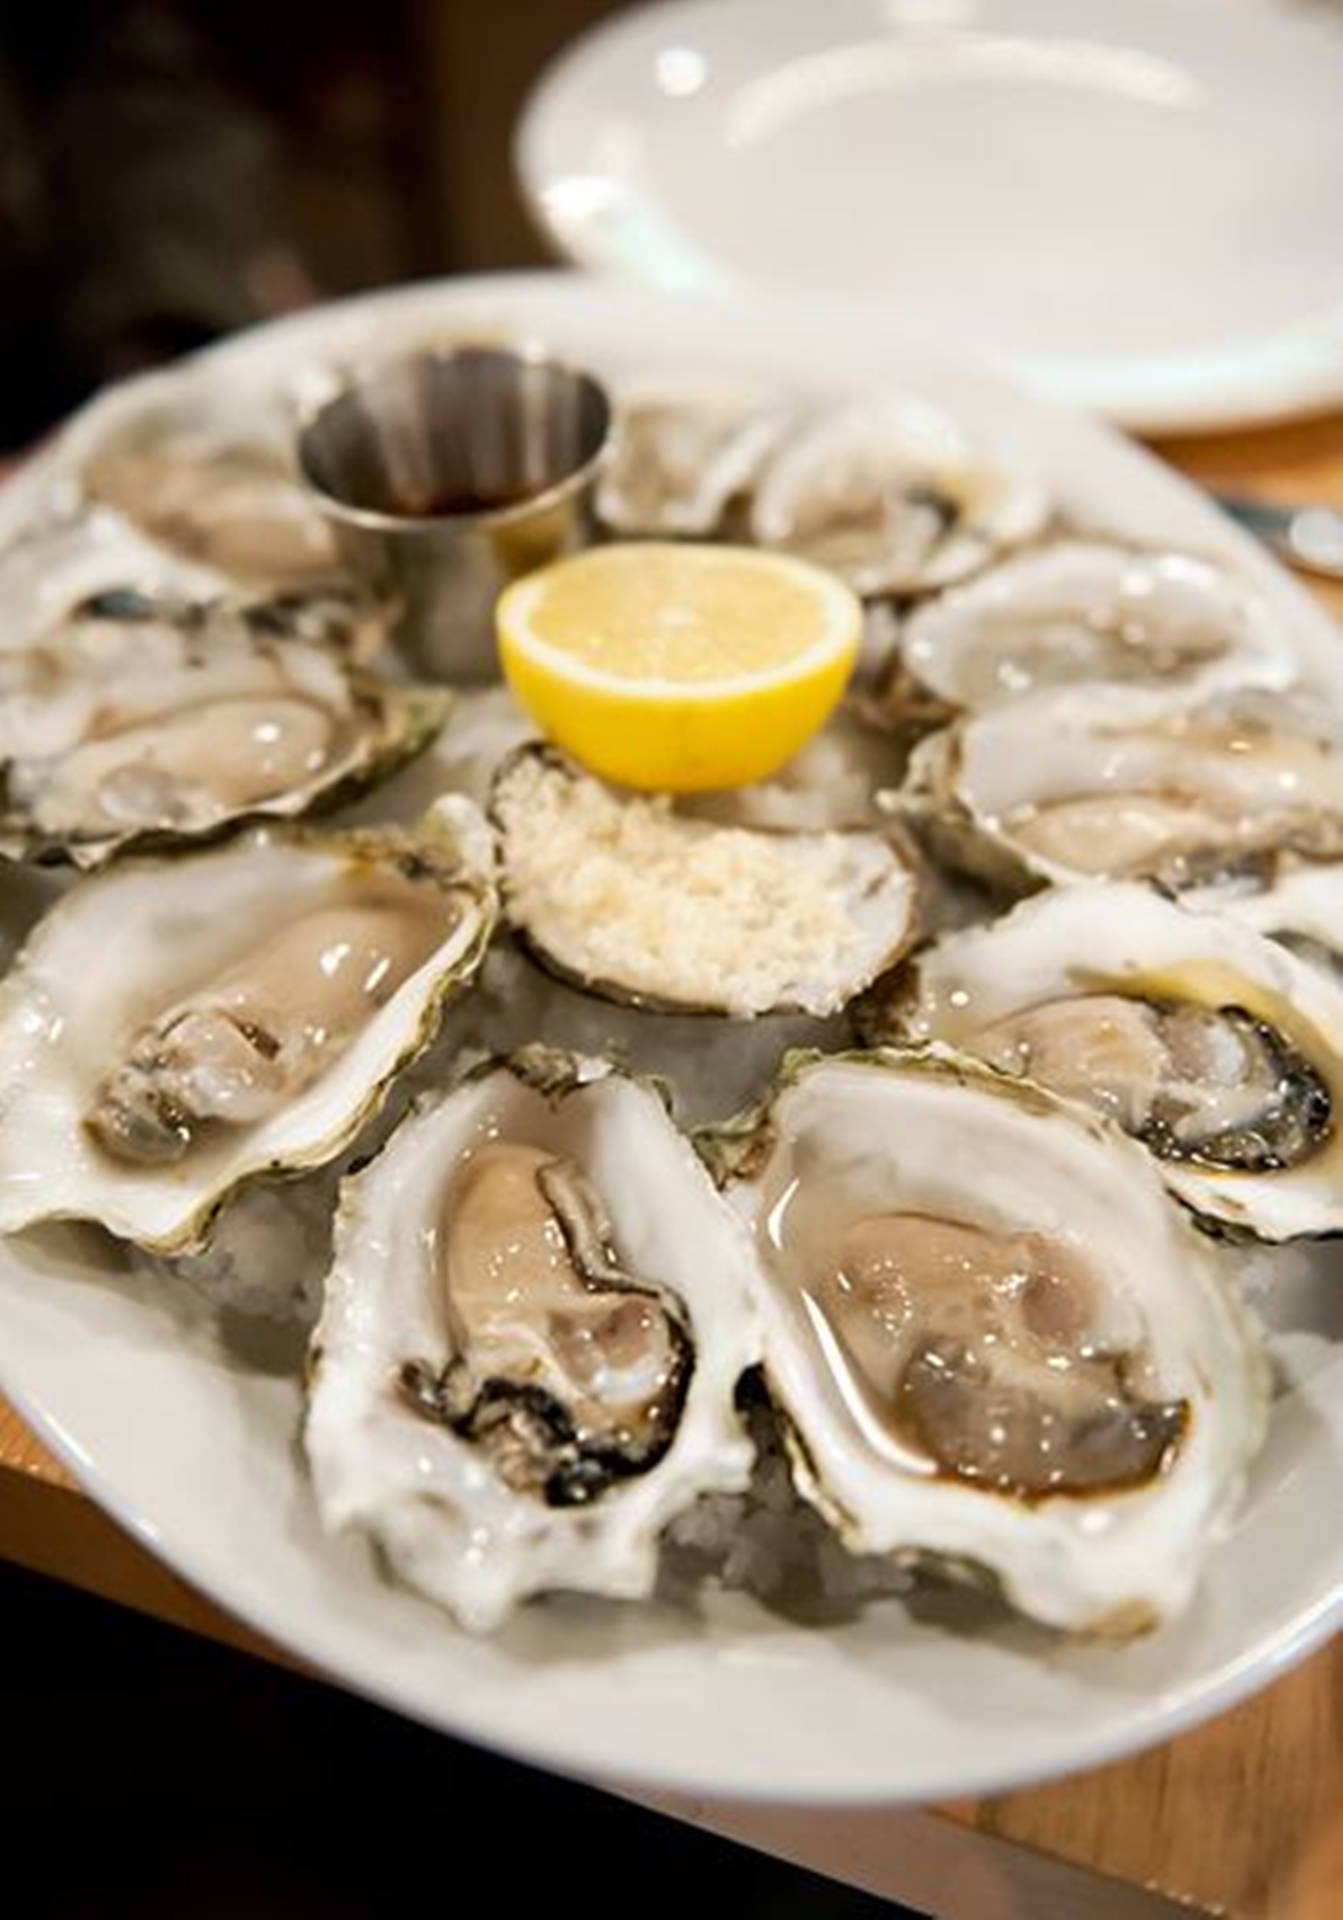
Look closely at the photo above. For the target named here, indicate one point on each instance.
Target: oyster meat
(1221, 1052)
(534, 1323)
(891, 495)
(995, 1343)
(1065, 787)
(682, 454)
(248, 1010)
(1084, 611)
(146, 720)
(628, 898)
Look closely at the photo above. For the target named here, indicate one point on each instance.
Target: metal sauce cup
(447, 474)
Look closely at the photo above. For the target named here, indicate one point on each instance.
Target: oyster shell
(141, 720)
(627, 898)
(535, 1319)
(682, 453)
(1221, 1052)
(996, 1343)
(1065, 787)
(891, 495)
(231, 503)
(1085, 611)
(245, 1011)
(1298, 904)
(57, 564)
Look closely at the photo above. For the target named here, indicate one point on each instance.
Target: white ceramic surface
(1136, 203)
(187, 1432)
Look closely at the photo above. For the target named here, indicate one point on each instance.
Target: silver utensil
(447, 474)
(1307, 537)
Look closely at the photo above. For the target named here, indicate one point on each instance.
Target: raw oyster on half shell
(1083, 611)
(625, 897)
(996, 1344)
(234, 504)
(1220, 1051)
(176, 1027)
(1071, 786)
(142, 720)
(534, 1323)
(682, 453)
(891, 495)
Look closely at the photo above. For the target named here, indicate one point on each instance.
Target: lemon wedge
(678, 668)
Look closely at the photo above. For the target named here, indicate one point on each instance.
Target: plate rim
(1153, 1718)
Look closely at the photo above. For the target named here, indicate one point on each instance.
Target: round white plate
(187, 1431)
(1136, 203)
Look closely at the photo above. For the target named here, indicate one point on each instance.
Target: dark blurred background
(172, 169)
(154, 1776)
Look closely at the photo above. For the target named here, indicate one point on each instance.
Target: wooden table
(1243, 1816)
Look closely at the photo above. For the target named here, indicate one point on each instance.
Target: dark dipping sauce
(458, 503)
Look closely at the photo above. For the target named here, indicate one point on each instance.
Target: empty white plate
(1137, 203)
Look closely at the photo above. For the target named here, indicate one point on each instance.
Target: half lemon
(678, 668)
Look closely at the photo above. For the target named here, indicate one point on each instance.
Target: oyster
(627, 898)
(682, 453)
(1065, 787)
(995, 1342)
(146, 720)
(536, 1317)
(1084, 611)
(233, 504)
(174, 1028)
(1218, 1050)
(890, 495)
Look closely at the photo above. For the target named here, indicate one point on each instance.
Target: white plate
(1137, 203)
(189, 1435)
